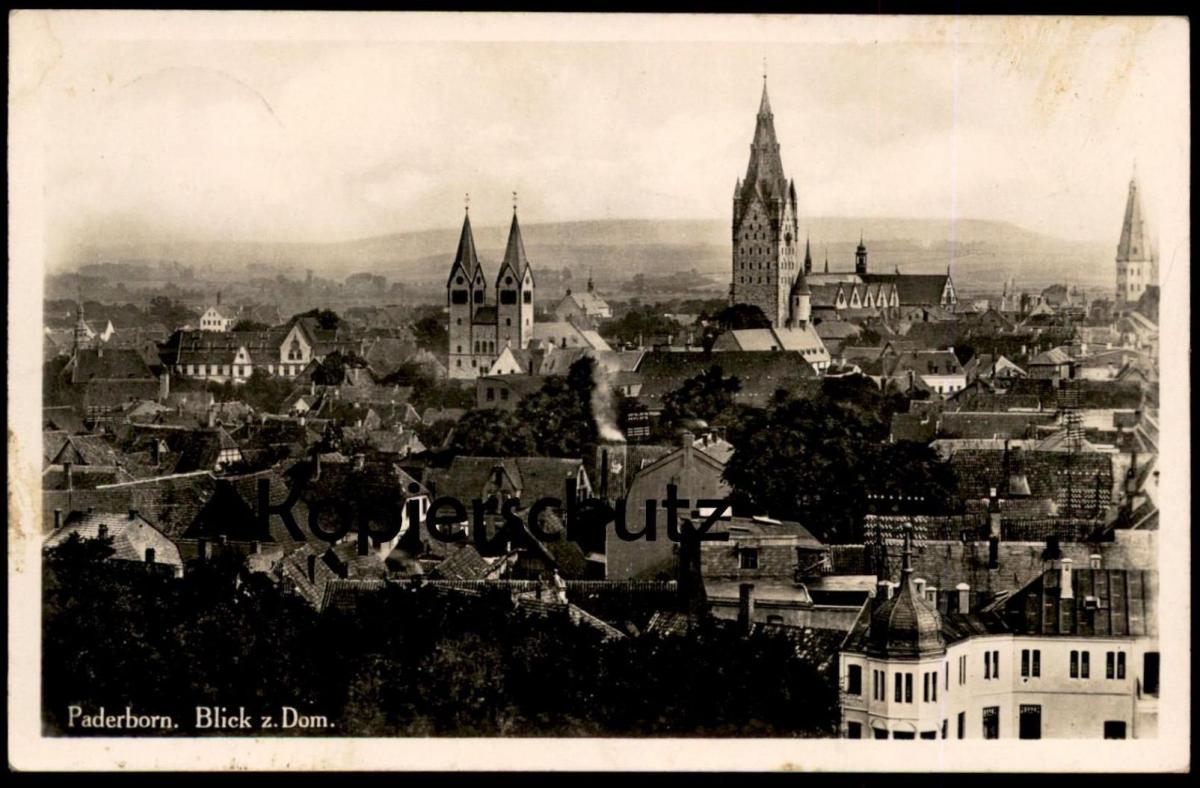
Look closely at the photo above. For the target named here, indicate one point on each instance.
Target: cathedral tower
(1137, 264)
(765, 225)
(460, 298)
(514, 293)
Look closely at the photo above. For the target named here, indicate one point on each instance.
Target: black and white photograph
(617, 392)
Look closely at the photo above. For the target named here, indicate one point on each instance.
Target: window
(962, 669)
(945, 729)
(928, 734)
(853, 730)
(991, 722)
(854, 680)
(908, 688)
(987, 664)
(1150, 672)
(1031, 663)
(947, 668)
(904, 735)
(1110, 665)
(995, 664)
(1114, 729)
(748, 558)
(491, 394)
(899, 694)
(1030, 722)
(149, 555)
(1084, 665)
(1074, 665)
(504, 394)
(528, 297)
(880, 733)
(962, 725)
(479, 296)
(508, 297)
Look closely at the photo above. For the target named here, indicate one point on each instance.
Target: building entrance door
(1031, 722)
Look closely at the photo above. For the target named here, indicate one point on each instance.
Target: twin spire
(514, 252)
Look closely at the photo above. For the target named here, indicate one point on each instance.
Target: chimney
(919, 583)
(1096, 561)
(57, 519)
(883, 590)
(68, 476)
(745, 607)
(994, 515)
(312, 569)
(964, 597)
(993, 552)
(1065, 589)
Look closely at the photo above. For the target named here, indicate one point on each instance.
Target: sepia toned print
(414, 378)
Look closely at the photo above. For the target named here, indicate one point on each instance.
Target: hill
(983, 253)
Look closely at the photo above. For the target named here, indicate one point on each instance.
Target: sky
(293, 127)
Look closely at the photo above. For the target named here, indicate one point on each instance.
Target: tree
(816, 460)
(491, 433)
(431, 333)
(559, 416)
(705, 396)
(737, 317)
(250, 325)
(327, 319)
(641, 323)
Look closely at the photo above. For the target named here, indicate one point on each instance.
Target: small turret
(860, 257)
(799, 303)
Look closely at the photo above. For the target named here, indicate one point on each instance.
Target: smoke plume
(602, 405)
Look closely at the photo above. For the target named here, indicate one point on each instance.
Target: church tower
(514, 293)
(860, 257)
(460, 298)
(1137, 264)
(799, 303)
(765, 225)
(80, 335)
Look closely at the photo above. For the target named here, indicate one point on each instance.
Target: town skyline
(236, 154)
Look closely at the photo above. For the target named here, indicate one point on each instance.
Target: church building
(766, 260)
(482, 323)
(765, 226)
(1137, 263)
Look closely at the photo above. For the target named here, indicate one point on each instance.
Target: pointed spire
(827, 258)
(906, 569)
(514, 253)
(466, 256)
(591, 285)
(764, 106)
(1133, 230)
(807, 255)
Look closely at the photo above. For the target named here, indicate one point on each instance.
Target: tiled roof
(54, 477)
(964, 424)
(914, 289)
(63, 417)
(113, 364)
(1104, 603)
(1078, 482)
(464, 563)
(131, 536)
